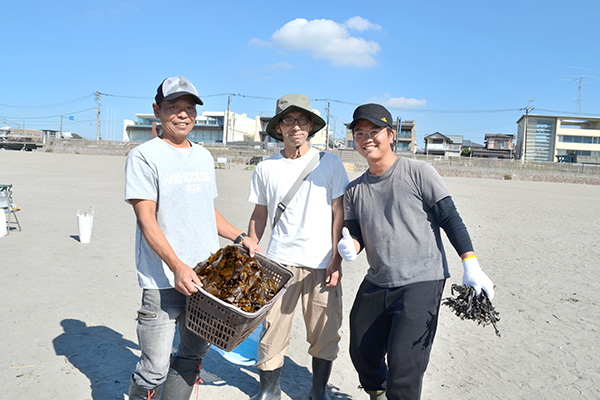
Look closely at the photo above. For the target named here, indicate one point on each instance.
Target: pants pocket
(143, 314)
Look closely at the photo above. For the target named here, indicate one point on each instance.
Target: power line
(53, 116)
(489, 111)
(49, 105)
(567, 112)
(152, 98)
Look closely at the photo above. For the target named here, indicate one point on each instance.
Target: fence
(242, 153)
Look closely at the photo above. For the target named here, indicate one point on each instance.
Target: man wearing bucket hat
(395, 211)
(303, 236)
(170, 182)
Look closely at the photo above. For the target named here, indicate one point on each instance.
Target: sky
(455, 67)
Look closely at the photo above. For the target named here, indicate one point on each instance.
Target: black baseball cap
(375, 113)
(177, 86)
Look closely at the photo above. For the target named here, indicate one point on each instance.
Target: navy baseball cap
(375, 113)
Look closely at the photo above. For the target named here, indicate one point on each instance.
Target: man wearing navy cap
(395, 211)
(170, 182)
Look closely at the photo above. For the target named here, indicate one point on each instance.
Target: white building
(554, 138)
(209, 128)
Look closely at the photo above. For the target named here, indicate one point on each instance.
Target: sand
(68, 308)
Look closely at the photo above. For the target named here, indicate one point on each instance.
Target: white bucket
(3, 227)
(85, 223)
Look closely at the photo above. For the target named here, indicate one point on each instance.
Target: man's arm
(447, 217)
(185, 277)
(228, 231)
(258, 222)
(333, 275)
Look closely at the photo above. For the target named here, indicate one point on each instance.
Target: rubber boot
(183, 374)
(269, 385)
(137, 393)
(377, 394)
(321, 372)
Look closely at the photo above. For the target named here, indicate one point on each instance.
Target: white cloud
(258, 42)
(282, 65)
(329, 40)
(361, 24)
(400, 102)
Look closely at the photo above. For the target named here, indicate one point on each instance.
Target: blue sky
(457, 67)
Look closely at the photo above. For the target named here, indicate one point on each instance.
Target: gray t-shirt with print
(400, 236)
(183, 186)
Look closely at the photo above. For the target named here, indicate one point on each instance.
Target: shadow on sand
(107, 360)
(101, 354)
(296, 380)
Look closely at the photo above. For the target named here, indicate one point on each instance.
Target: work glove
(346, 246)
(475, 277)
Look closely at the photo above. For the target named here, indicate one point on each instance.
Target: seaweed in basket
(467, 305)
(235, 277)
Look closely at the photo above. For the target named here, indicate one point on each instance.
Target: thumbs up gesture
(346, 246)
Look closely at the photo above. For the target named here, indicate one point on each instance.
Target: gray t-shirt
(183, 186)
(400, 236)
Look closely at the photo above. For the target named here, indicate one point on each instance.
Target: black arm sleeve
(447, 218)
(355, 232)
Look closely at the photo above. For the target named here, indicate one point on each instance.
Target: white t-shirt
(303, 235)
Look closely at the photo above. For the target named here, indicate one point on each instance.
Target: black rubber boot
(183, 374)
(269, 385)
(377, 394)
(321, 372)
(137, 393)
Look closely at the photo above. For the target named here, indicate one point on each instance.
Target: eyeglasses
(363, 135)
(291, 121)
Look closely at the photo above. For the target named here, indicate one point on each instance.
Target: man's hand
(346, 246)
(475, 277)
(185, 277)
(251, 245)
(333, 274)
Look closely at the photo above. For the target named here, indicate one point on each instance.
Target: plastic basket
(225, 325)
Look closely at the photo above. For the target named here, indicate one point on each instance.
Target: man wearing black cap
(170, 182)
(395, 211)
(304, 231)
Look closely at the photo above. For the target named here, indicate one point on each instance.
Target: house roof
(438, 135)
(455, 139)
(499, 136)
(468, 143)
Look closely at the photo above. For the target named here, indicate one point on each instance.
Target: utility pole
(397, 135)
(226, 119)
(524, 150)
(327, 131)
(99, 123)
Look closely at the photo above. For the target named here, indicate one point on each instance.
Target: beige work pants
(322, 310)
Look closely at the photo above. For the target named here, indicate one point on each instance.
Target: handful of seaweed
(468, 306)
(235, 277)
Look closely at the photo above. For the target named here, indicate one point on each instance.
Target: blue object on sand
(245, 353)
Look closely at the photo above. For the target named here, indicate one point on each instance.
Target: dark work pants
(397, 322)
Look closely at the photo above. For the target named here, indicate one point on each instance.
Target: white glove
(346, 246)
(475, 277)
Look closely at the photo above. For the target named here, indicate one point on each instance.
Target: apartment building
(558, 138)
(404, 140)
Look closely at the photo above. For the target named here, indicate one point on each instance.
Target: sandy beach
(68, 308)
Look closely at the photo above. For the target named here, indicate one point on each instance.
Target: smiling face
(294, 135)
(177, 118)
(373, 142)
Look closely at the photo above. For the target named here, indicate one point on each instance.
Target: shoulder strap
(290, 195)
